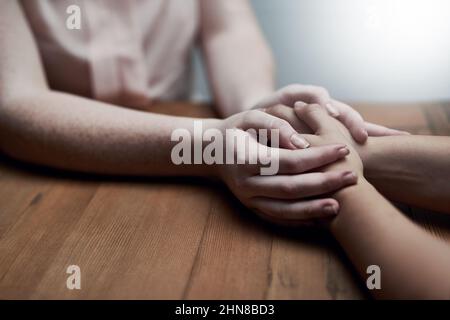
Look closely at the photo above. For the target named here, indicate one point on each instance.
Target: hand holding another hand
(289, 196)
(281, 103)
(328, 130)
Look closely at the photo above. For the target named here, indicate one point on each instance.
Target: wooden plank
(18, 190)
(233, 257)
(438, 118)
(172, 238)
(134, 241)
(299, 266)
(29, 246)
(400, 116)
(308, 264)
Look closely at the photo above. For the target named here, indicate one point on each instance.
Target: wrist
(211, 170)
(364, 151)
(350, 201)
(367, 153)
(349, 192)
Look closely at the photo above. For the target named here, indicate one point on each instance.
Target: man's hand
(285, 197)
(278, 104)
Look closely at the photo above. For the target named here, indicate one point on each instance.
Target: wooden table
(172, 238)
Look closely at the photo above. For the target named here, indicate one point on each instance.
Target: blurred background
(360, 50)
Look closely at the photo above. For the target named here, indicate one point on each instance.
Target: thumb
(313, 115)
(288, 137)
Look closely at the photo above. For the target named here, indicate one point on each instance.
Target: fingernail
(299, 142)
(299, 104)
(349, 177)
(330, 209)
(332, 110)
(343, 151)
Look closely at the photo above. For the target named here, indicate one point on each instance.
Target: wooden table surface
(173, 238)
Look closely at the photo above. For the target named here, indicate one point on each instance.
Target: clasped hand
(319, 139)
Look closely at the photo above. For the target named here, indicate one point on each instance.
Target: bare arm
(414, 264)
(40, 125)
(239, 61)
(410, 169)
(43, 126)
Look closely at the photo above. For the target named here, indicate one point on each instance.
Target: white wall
(372, 50)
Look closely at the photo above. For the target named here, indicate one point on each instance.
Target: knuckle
(278, 123)
(286, 97)
(278, 109)
(327, 183)
(284, 124)
(326, 155)
(289, 93)
(309, 108)
(248, 116)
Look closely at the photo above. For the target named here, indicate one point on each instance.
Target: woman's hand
(284, 197)
(328, 130)
(281, 102)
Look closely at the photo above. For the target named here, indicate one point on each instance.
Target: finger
(300, 185)
(288, 114)
(352, 120)
(376, 130)
(313, 115)
(288, 137)
(268, 102)
(294, 210)
(309, 94)
(298, 161)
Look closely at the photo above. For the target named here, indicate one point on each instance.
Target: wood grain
(173, 238)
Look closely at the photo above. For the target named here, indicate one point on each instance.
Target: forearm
(70, 132)
(240, 66)
(413, 263)
(410, 169)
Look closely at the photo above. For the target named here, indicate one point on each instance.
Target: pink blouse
(128, 52)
